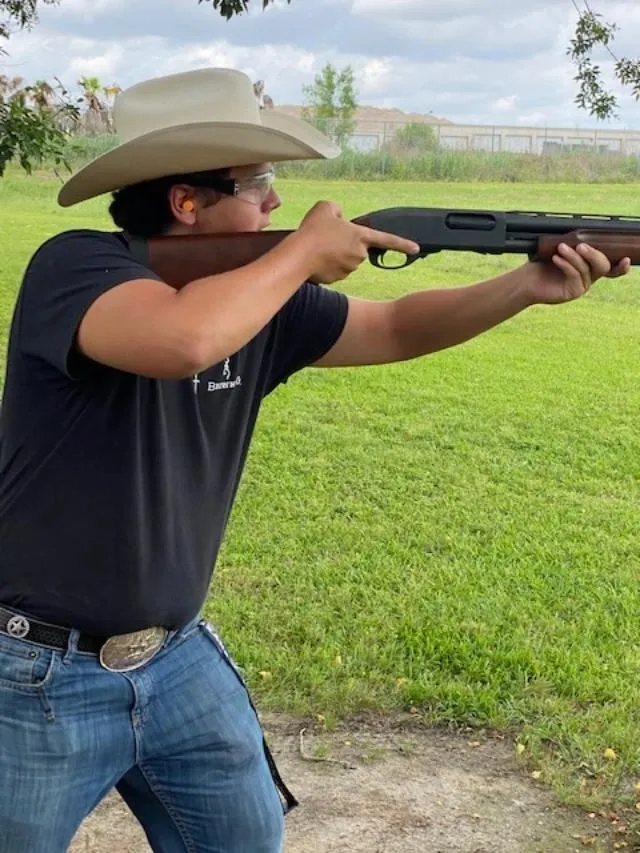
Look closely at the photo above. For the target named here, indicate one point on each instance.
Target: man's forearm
(432, 320)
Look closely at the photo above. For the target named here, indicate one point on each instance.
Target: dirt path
(401, 789)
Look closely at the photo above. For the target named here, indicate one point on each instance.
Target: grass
(458, 534)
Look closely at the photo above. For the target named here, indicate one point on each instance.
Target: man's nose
(272, 202)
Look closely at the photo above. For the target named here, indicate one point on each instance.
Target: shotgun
(181, 259)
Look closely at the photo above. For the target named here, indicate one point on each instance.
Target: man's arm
(420, 323)
(432, 320)
(143, 326)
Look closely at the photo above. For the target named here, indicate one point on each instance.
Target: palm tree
(42, 94)
(10, 87)
(110, 93)
(94, 116)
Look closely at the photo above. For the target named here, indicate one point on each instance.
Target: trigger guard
(375, 255)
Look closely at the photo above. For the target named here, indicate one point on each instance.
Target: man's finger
(571, 273)
(621, 268)
(597, 260)
(384, 240)
(580, 258)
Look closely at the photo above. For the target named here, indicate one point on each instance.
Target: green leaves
(30, 128)
(591, 32)
(21, 13)
(31, 133)
(229, 8)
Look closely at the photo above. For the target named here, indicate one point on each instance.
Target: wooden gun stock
(614, 246)
(184, 258)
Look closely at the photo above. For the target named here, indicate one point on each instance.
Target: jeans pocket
(25, 666)
(210, 632)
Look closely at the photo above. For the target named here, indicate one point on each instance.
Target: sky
(470, 61)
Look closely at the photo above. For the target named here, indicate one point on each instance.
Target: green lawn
(458, 534)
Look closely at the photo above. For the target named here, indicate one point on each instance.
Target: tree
(331, 102)
(414, 138)
(21, 13)
(95, 110)
(590, 33)
(30, 122)
(9, 86)
(110, 93)
(91, 88)
(43, 94)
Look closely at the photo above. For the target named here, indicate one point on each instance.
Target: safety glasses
(254, 189)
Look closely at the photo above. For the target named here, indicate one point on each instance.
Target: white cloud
(505, 104)
(419, 10)
(375, 75)
(533, 119)
(99, 65)
(90, 10)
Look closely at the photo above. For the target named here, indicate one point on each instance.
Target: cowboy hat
(192, 122)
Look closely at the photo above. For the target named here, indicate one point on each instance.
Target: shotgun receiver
(180, 259)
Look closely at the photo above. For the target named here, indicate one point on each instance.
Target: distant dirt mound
(377, 114)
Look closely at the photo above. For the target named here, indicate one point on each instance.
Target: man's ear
(183, 204)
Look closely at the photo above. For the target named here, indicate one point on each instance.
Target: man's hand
(338, 246)
(569, 274)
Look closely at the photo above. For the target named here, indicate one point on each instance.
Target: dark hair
(143, 209)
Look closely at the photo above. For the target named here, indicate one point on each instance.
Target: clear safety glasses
(254, 189)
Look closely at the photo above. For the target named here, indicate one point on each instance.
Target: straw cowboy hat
(191, 122)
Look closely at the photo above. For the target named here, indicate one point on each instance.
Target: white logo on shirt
(226, 384)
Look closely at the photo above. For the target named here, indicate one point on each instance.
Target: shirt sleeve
(65, 276)
(305, 329)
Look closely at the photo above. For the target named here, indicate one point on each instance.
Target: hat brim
(195, 148)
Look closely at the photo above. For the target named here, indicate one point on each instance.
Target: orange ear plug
(188, 205)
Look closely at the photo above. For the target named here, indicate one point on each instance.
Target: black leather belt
(21, 627)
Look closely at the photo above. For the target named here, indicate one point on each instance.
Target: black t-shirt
(115, 489)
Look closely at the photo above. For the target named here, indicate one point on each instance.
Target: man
(128, 411)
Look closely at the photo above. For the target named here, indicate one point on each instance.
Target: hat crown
(191, 97)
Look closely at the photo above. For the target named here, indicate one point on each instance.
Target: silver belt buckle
(125, 652)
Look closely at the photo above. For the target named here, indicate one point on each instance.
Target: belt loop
(72, 645)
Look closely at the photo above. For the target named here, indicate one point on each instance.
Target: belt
(119, 653)
(22, 627)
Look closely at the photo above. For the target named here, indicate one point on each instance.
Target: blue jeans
(178, 738)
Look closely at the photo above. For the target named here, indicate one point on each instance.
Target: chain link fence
(374, 136)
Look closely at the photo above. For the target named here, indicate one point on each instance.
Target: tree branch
(229, 8)
(591, 33)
